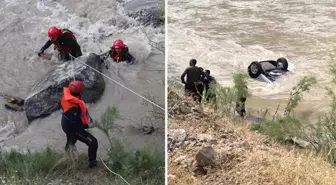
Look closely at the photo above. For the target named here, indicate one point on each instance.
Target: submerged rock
(147, 129)
(46, 94)
(13, 103)
(148, 16)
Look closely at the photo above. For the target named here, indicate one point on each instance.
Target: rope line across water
(158, 106)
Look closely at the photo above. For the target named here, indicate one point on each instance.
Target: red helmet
(118, 44)
(54, 32)
(76, 86)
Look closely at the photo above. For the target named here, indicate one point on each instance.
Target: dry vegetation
(244, 156)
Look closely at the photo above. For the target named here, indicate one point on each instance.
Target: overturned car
(269, 68)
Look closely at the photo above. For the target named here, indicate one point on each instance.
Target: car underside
(269, 68)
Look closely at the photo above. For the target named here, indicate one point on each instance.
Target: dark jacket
(208, 80)
(71, 121)
(194, 74)
(65, 41)
(123, 56)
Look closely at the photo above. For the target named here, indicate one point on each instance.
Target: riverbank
(238, 155)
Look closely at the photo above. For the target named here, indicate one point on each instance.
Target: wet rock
(13, 103)
(176, 138)
(147, 129)
(45, 96)
(16, 100)
(14, 107)
(148, 16)
(206, 157)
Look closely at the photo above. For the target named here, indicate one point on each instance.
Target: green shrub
(145, 166)
(224, 99)
(18, 168)
(287, 125)
(142, 166)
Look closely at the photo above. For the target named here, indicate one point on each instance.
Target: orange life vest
(116, 56)
(64, 48)
(68, 101)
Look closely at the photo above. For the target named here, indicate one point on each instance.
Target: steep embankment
(241, 155)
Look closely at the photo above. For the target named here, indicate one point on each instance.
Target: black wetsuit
(65, 41)
(193, 85)
(75, 130)
(123, 56)
(240, 106)
(208, 80)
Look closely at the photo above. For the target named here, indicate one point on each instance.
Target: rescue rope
(73, 69)
(113, 171)
(158, 106)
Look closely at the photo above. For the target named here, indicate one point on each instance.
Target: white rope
(121, 85)
(72, 67)
(113, 171)
(73, 71)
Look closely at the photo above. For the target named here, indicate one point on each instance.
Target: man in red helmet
(75, 119)
(64, 41)
(119, 52)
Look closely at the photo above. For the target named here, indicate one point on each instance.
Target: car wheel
(254, 69)
(284, 63)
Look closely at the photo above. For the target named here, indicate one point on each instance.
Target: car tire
(254, 69)
(284, 63)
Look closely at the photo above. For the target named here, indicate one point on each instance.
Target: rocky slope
(205, 148)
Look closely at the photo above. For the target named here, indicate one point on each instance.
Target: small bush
(283, 126)
(142, 166)
(240, 84)
(323, 133)
(146, 166)
(280, 128)
(304, 85)
(156, 115)
(225, 98)
(107, 122)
